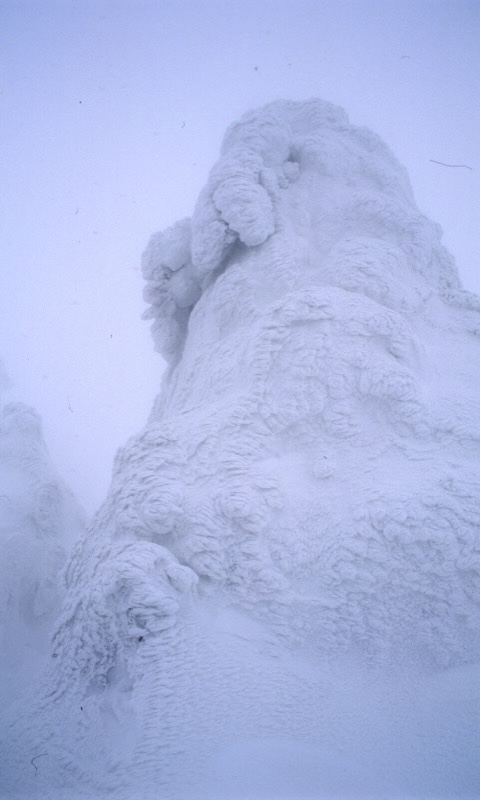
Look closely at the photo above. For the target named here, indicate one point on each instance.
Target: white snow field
(279, 597)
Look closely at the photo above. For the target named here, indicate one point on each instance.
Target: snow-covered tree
(39, 521)
(282, 586)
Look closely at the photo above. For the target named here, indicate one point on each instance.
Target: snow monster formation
(39, 520)
(280, 596)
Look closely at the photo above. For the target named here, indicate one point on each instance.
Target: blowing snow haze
(279, 596)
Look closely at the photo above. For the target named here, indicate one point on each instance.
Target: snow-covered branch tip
(456, 166)
(32, 761)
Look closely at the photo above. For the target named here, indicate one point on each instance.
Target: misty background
(112, 116)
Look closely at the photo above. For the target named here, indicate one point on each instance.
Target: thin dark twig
(32, 761)
(462, 166)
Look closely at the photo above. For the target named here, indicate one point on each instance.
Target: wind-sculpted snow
(301, 171)
(38, 521)
(280, 595)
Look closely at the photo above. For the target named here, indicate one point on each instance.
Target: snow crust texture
(299, 520)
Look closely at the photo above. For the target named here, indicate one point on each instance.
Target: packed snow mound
(39, 519)
(298, 523)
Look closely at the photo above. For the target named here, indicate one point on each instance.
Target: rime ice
(287, 560)
(39, 519)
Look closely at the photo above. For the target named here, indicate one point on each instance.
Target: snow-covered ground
(279, 596)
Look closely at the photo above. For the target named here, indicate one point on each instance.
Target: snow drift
(280, 595)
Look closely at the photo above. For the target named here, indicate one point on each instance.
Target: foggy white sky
(112, 115)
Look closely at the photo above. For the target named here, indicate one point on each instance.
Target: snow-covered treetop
(30, 488)
(275, 161)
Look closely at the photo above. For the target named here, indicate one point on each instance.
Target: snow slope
(280, 595)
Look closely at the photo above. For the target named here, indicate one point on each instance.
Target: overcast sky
(112, 114)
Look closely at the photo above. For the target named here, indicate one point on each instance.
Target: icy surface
(280, 594)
